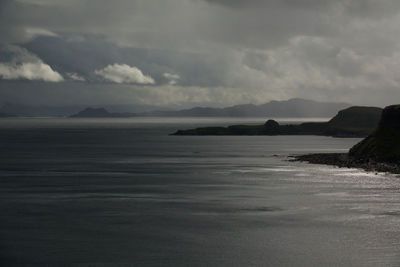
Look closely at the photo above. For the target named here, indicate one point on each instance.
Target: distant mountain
(64, 111)
(100, 113)
(38, 111)
(289, 108)
(350, 122)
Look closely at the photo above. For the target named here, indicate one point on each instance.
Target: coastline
(343, 160)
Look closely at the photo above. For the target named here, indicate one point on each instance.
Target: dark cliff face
(390, 118)
(384, 144)
(359, 116)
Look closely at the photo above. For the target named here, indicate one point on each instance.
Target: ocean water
(77, 192)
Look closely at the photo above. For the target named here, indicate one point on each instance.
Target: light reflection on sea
(127, 194)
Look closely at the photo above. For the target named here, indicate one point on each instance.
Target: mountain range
(289, 108)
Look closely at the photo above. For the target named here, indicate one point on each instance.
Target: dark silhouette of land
(350, 122)
(380, 151)
(289, 108)
(22, 110)
(100, 113)
(384, 144)
(295, 107)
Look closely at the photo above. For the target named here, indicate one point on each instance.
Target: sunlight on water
(128, 194)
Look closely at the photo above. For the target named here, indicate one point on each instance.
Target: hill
(296, 107)
(99, 113)
(350, 122)
(356, 120)
(289, 108)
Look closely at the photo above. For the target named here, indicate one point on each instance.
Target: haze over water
(92, 192)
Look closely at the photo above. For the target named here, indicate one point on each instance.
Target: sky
(182, 53)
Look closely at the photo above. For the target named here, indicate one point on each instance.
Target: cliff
(380, 151)
(384, 144)
(356, 120)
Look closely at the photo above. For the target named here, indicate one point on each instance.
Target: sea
(123, 192)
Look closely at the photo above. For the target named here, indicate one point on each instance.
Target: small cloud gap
(75, 77)
(172, 78)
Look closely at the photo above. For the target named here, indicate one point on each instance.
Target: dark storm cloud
(212, 51)
(93, 53)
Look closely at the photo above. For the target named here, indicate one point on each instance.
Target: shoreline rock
(343, 160)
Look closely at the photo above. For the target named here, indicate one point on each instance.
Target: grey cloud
(225, 50)
(92, 53)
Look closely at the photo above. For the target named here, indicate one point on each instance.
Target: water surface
(124, 193)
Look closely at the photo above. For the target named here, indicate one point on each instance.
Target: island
(356, 121)
(380, 151)
(100, 113)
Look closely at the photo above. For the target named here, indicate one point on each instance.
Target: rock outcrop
(380, 151)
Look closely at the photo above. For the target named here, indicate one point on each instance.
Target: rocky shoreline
(343, 160)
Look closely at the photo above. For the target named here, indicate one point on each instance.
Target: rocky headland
(379, 152)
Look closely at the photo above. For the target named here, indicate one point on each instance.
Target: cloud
(122, 73)
(249, 51)
(74, 76)
(34, 32)
(173, 78)
(25, 65)
(29, 71)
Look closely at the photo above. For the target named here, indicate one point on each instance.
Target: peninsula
(350, 122)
